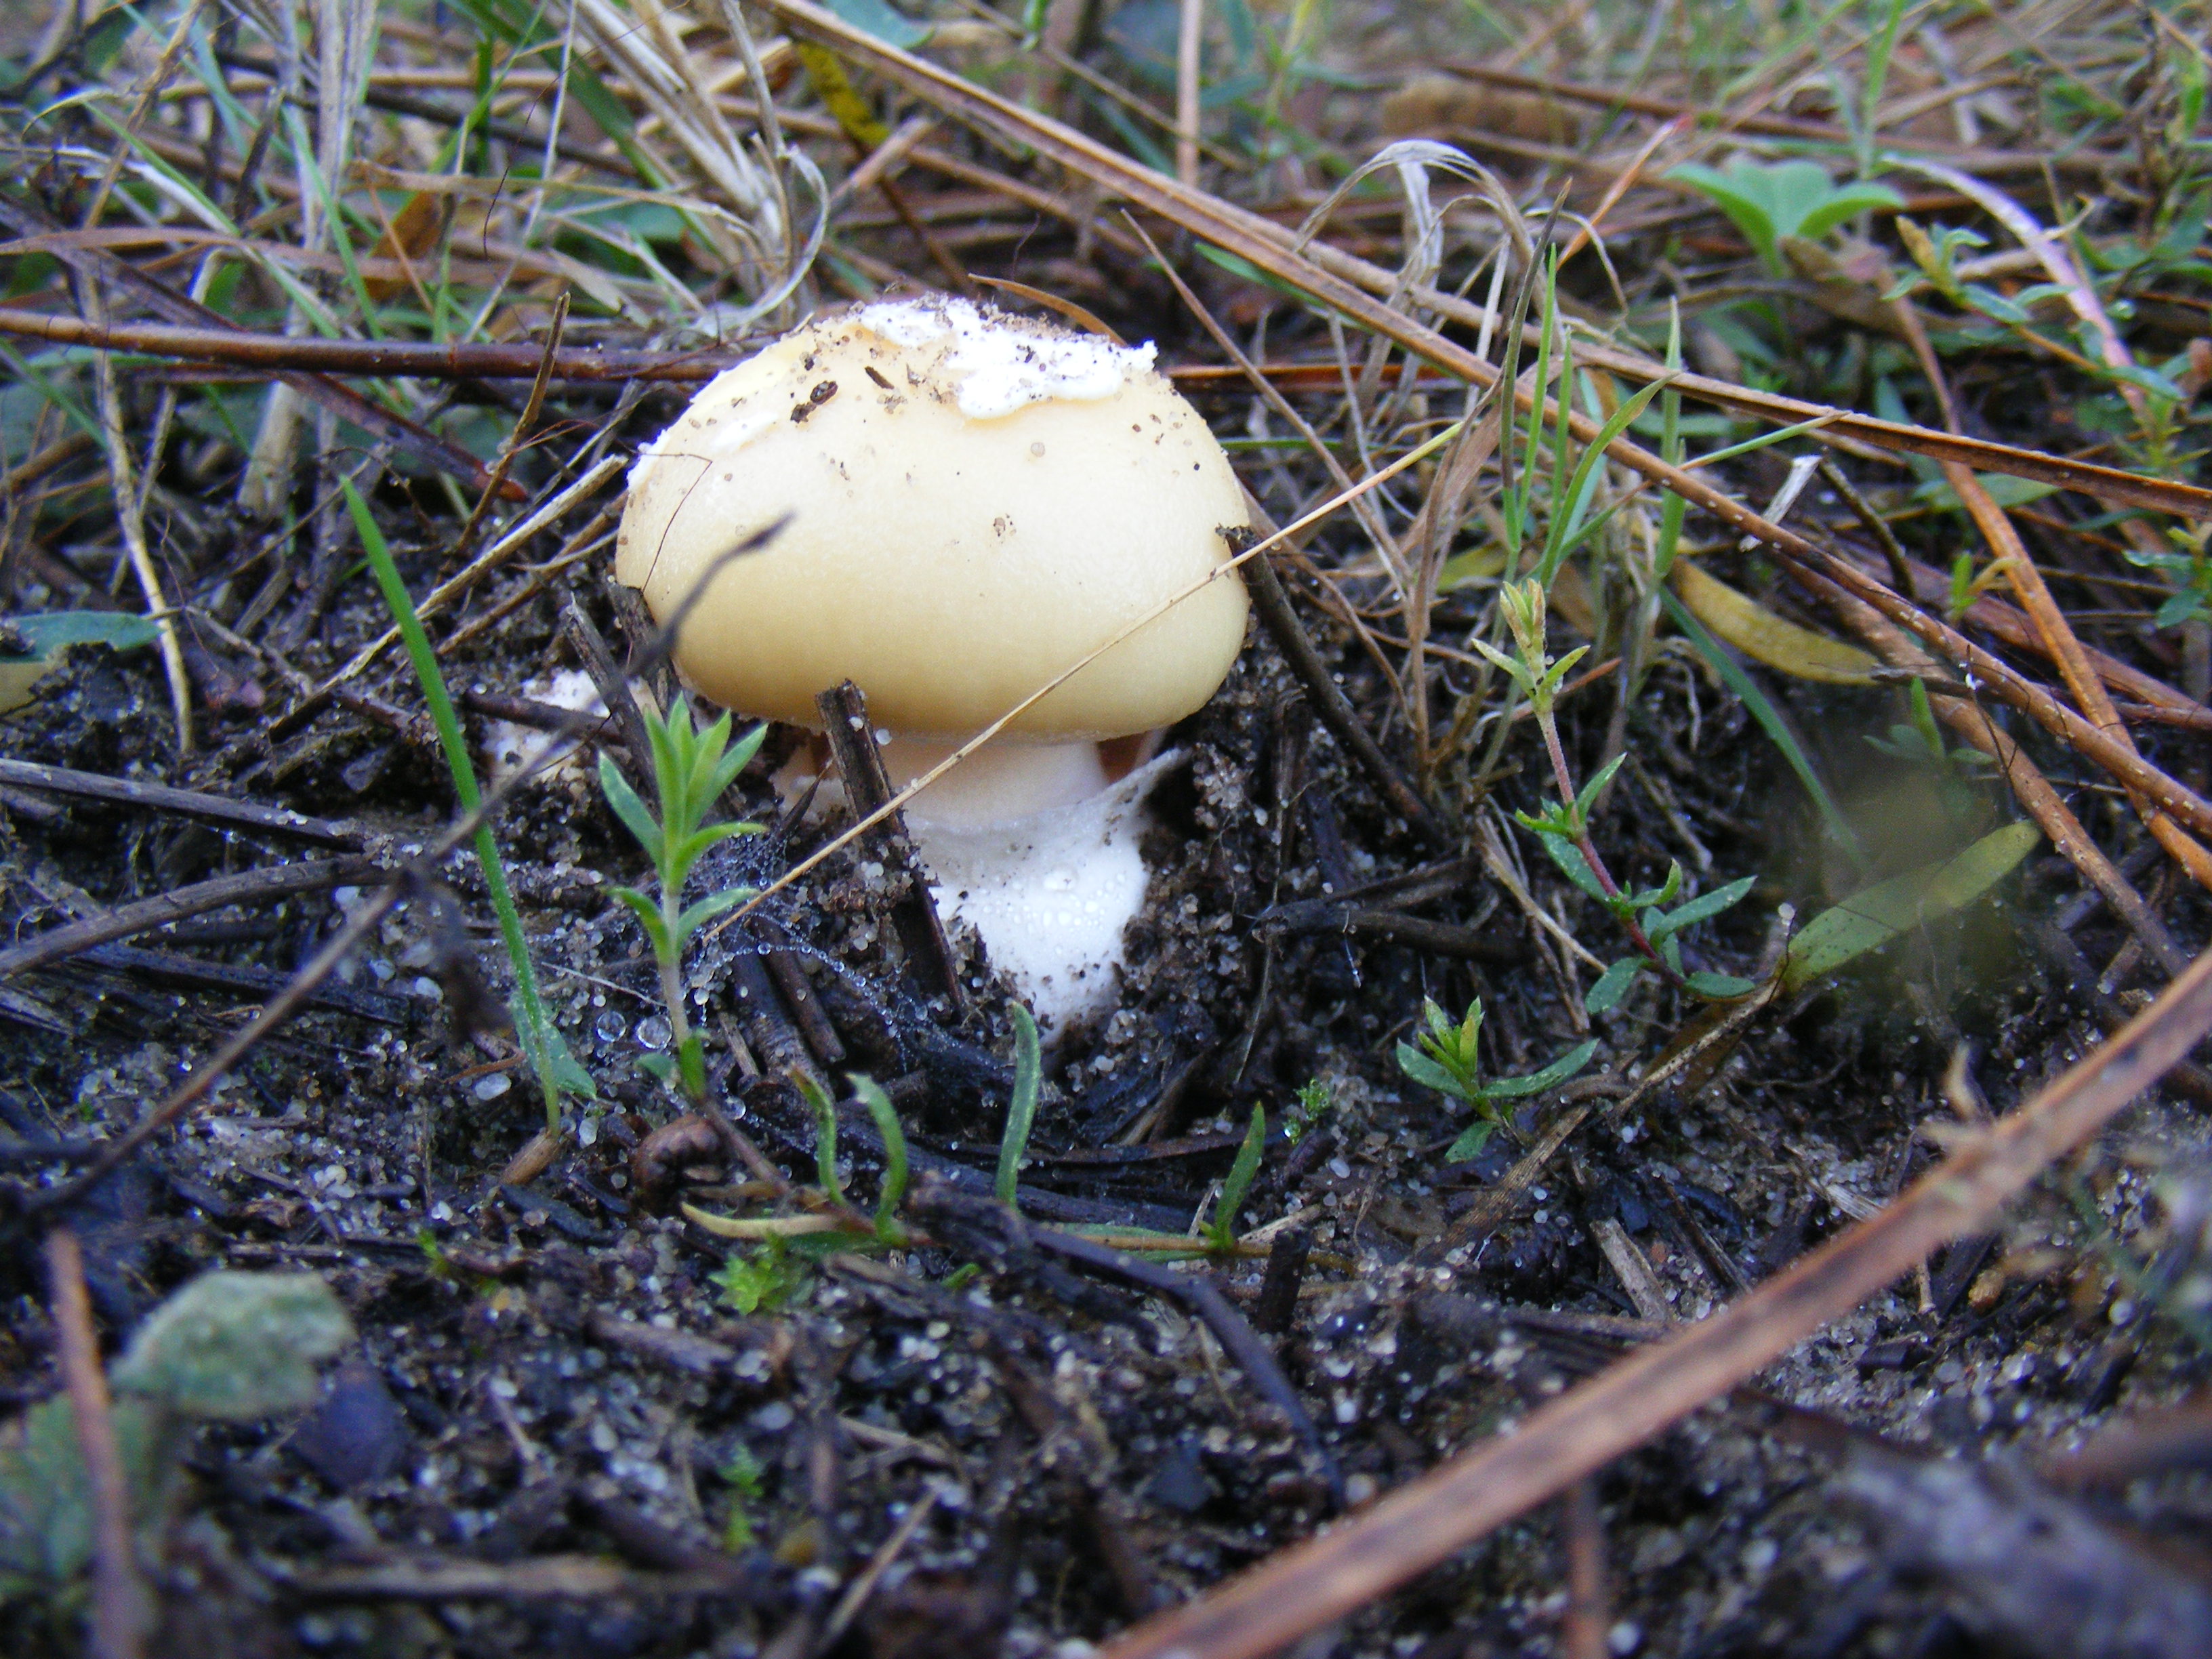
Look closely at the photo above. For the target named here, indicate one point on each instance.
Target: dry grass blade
(1303, 1588)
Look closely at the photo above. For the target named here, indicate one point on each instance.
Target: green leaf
(1021, 1110)
(1557, 1072)
(660, 1067)
(1568, 856)
(894, 1164)
(656, 925)
(683, 851)
(632, 811)
(1427, 1072)
(1848, 202)
(2003, 489)
(1239, 1179)
(569, 1073)
(1566, 534)
(1868, 920)
(706, 909)
(1612, 984)
(825, 1135)
(236, 1345)
(876, 18)
(48, 631)
(1721, 987)
(1702, 908)
(1472, 1140)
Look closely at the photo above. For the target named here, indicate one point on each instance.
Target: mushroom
(976, 503)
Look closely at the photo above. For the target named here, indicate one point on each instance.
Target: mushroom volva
(976, 501)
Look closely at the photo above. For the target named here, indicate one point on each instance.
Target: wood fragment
(868, 790)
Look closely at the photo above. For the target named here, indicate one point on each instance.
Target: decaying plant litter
(1654, 1106)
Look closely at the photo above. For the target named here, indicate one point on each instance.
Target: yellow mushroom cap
(976, 501)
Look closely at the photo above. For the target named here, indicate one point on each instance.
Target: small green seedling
(1447, 1061)
(762, 1277)
(888, 1231)
(691, 770)
(1563, 828)
(1773, 202)
(229, 1347)
(1021, 1110)
(1315, 1099)
(1919, 742)
(2188, 567)
(1221, 1232)
(742, 1473)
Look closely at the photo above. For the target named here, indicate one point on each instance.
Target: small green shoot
(556, 1067)
(1563, 828)
(1919, 742)
(2188, 567)
(888, 1230)
(1448, 1060)
(762, 1277)
(1021, 1111)
(691, 768)
(1221, 1232)
(742, 1473)
(1315, 1099)
(879, 1107)
(1773, 202)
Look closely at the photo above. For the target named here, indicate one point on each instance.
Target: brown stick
(247, 887)
(218, 809)
(844, 713)
(1420, 1524)
(1281, 623)
(121, 1610)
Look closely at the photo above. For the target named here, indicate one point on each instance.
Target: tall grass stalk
(530, 1022)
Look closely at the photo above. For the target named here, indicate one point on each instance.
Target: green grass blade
(1021, 1111)
(530, 1023)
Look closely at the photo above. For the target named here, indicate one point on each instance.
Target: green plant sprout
(1315, 1099)
(691, 770)
(556, 1068)
(2188, 567)
(2160, 403)
(1773, 202)
(886, 1228)
(229, 1347)
(1448, 1060)
(1221, 1232)
(762, 1277)
(1021, 1110)
(1564, 828)
(1919, 741)
(742, 1473)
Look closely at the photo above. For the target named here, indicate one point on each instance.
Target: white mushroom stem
(1050, 894)
(1034, 846)
(999, 782)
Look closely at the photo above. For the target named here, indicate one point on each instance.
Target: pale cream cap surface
(949, 562)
